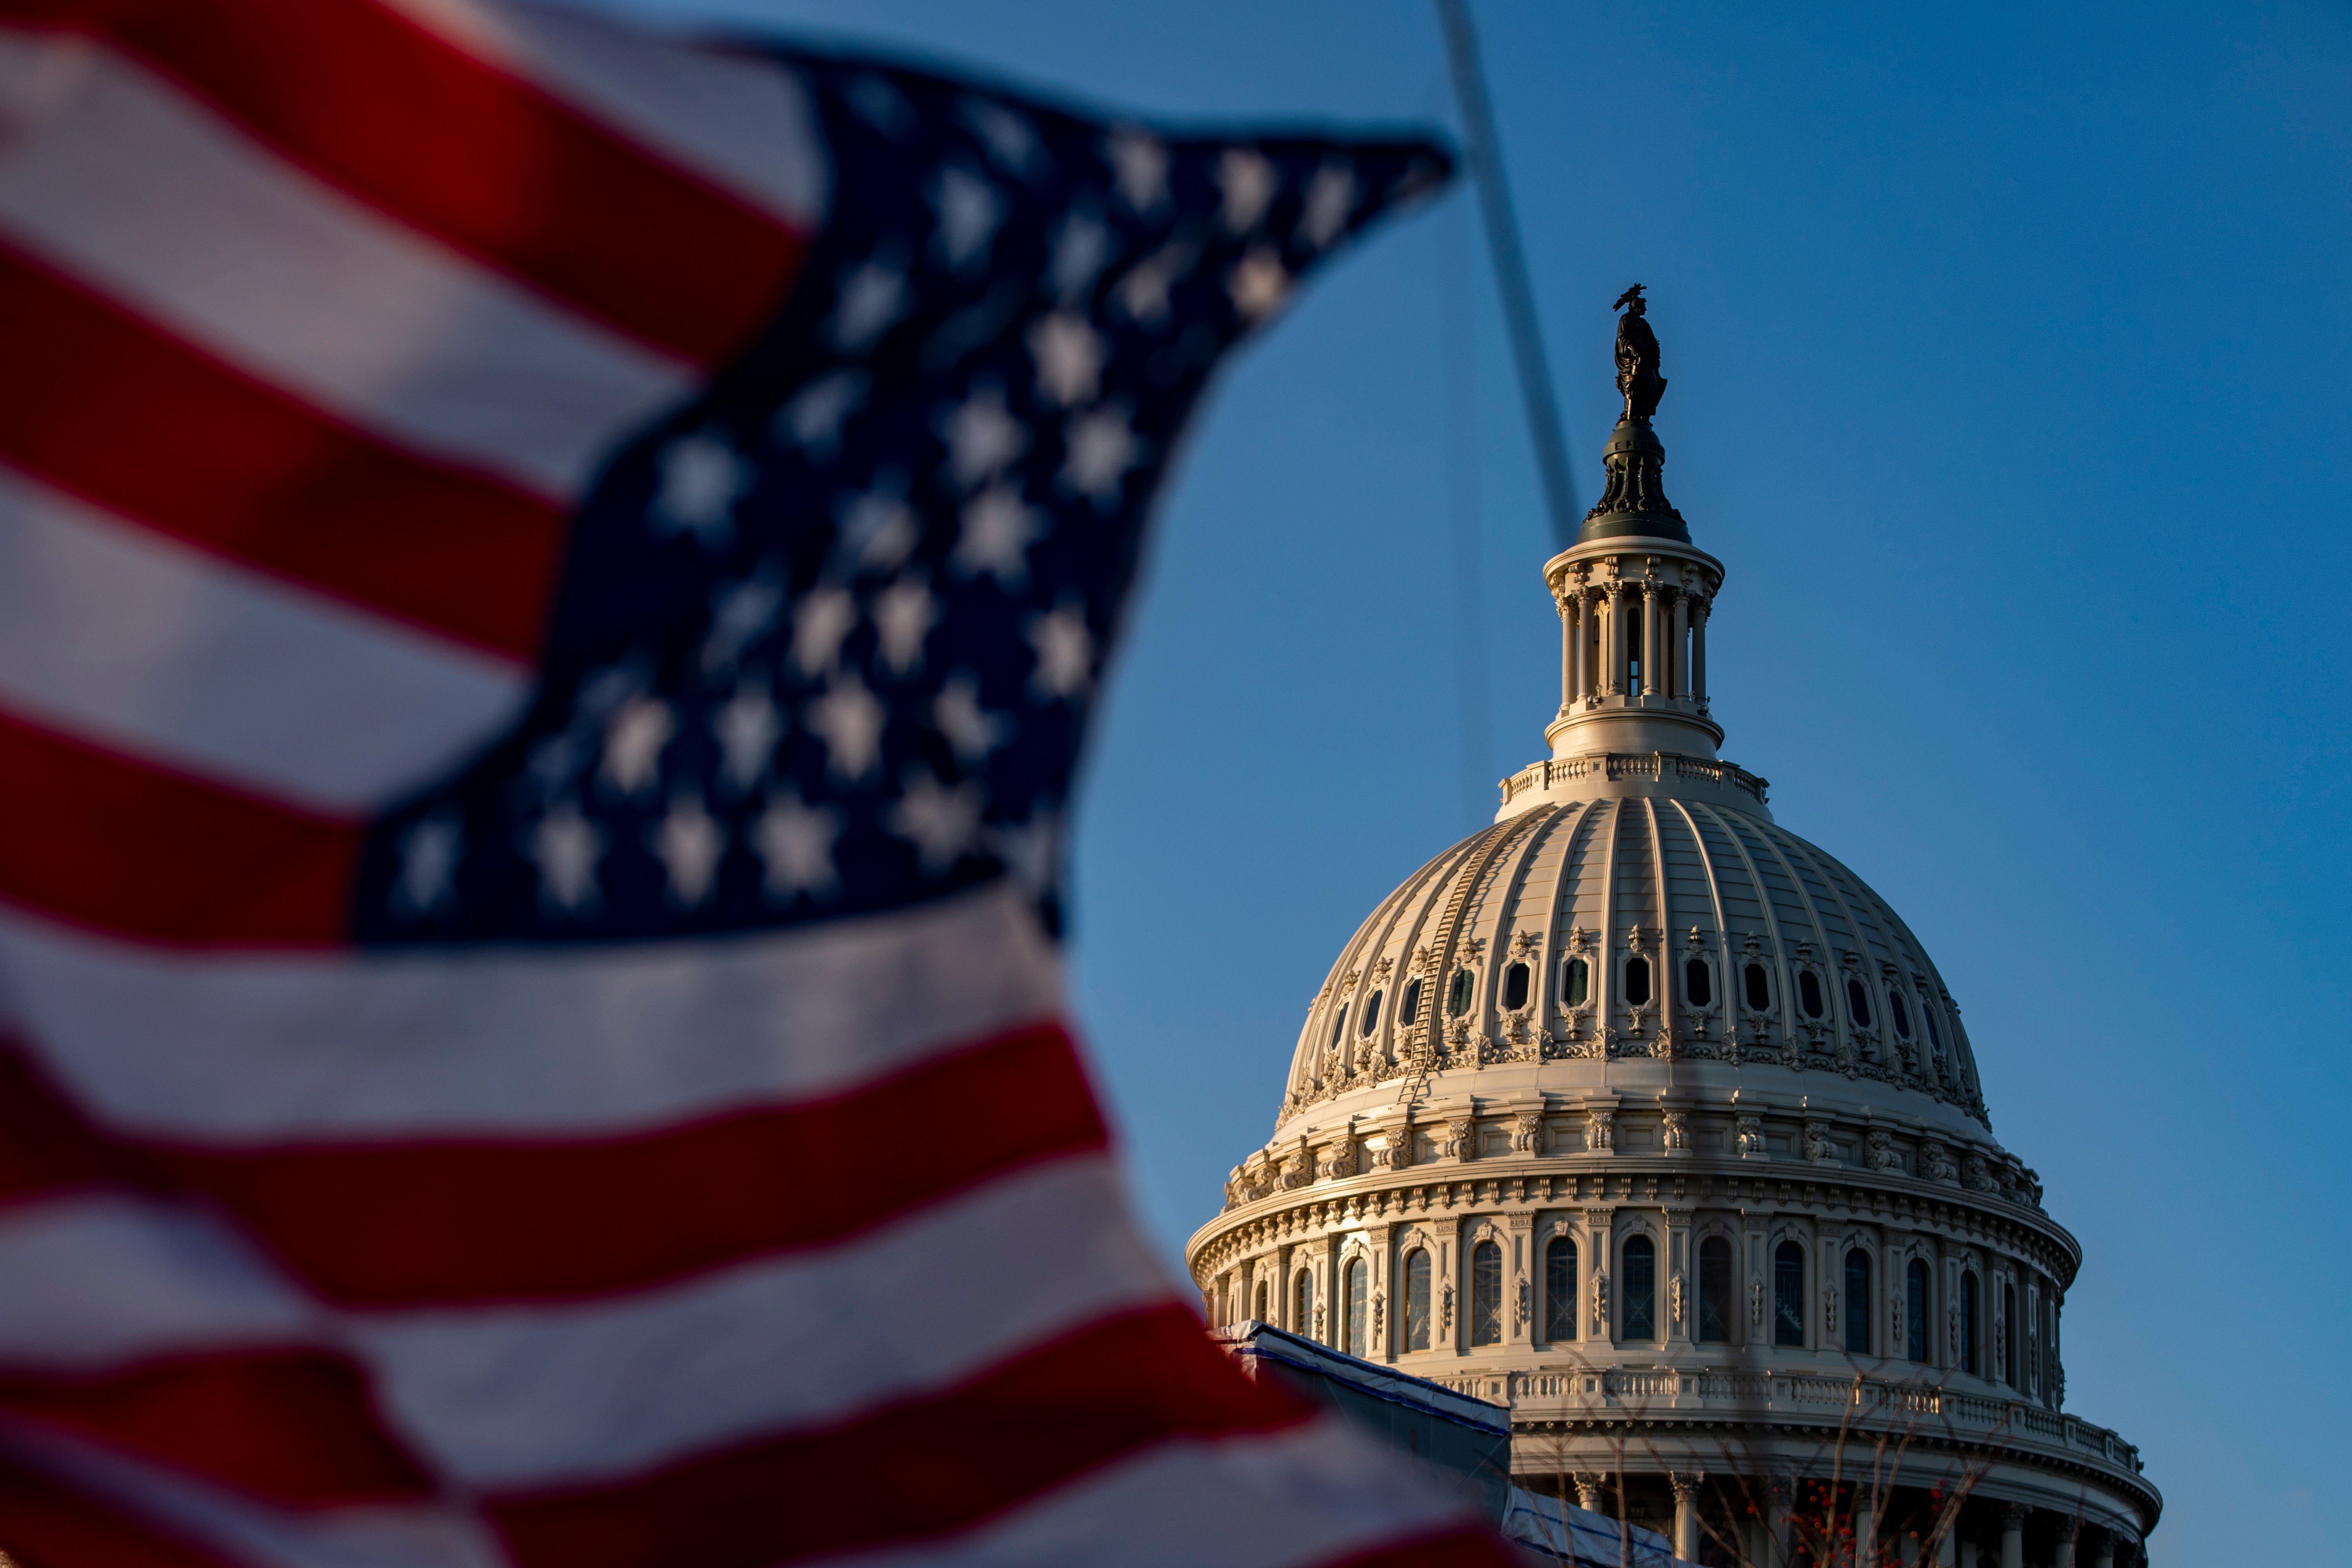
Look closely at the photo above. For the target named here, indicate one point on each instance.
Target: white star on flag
(742, 612)
(1330, 197)
(688, 843)
(849, 719)
(1066, 651)
(970, 211)
(1102, 448)
(904, 614)
(1028, 848)
(428, 862)
(1069, 356)
(633, 738)
(939, 822)
(1081, 251)
(973, 730)
(982, 436)
(701, 477)
(878, 527)
(1139, 168)
(1248, 180)
(813, 419)
(825, 619)
(1008, 137)
(794, 841)
(873, 295)
(747, 727)
(1258, 283)
(1142, 294)
(566, 847)
(997, 532)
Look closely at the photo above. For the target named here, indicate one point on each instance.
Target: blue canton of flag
(827, 637)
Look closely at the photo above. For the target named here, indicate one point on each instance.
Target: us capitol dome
(1648, 1118)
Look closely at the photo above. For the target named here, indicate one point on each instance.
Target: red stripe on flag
(916, 1471)
(295, 1427)
(42, 1525)
(407, 1224)
(98, 839)
(98, 402)
(491, 165)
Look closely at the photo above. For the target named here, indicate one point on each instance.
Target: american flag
(551, 585)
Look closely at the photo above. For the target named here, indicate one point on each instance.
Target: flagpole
(1486, 157)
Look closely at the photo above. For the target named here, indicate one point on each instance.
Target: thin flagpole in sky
(1484, 154)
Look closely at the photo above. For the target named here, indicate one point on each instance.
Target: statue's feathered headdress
(1630, 297)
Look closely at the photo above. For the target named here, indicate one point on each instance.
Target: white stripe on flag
(742, 122)
(1309, 1495)
(119, 179)
(174, 656)
(524, 1041)
(517, 1397)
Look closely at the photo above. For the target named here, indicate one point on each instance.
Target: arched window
(1789, 1294)
(1857, 1001)
(1808, 993)
(1302, 1304)
(1699, 984)
(1260, 1313)
(1409, 1005)
(1896, 1010)
(1416, 1300)
(1637, 1319)
(1637, 982)
(1857, 1301)
(1339, 1024)
(1968, 1317)
(1487, 1294)
(2008, 1334)
(1457, 995)
(1372, 1015)
(1514, 987)
(1360, 1309)
(1759, 987)
(1914, 1308)
(1559, 1290)
(1634, 644)
(1715, 1314)
(1575, 982)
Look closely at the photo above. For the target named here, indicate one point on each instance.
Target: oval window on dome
(1409, 1005)
(1575, 982)
(1372, 1015)
(1514, 987)
(1808, 993)
(1759, 987)
(1858, 1000)
(1898, 1011)
(1457, 995)
(1698, 985)
(1637, 982)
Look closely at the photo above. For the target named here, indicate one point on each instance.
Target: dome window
(1514, 987)
(1360, 1309)
(1715, 1291)
(1457, 995)
(1575, 982)
(1637, 982)
(1340, 1026)
(1698, 985)
(1788, 1295)
(1559, 1290)
(1372, 1015)
(1969, 1314)
(1302, 1304)
(1487, 1294)
(1759, 987)
(1409, 1005)
(1898, 1011)
(1416, 1300)
(1638, 1318)
(1914, 1308)
(1808, 993)
(1260, 1313)
(1857, 1002)
(1857, 1301)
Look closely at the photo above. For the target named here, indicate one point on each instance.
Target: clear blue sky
(2008, 353)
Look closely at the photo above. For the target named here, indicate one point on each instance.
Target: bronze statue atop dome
(1637, 357)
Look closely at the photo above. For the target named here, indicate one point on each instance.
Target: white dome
(1674, 873)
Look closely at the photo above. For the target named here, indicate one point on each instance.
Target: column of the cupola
(1654, 640)
(1566, 604)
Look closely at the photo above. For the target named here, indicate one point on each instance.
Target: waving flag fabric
(551, 584)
